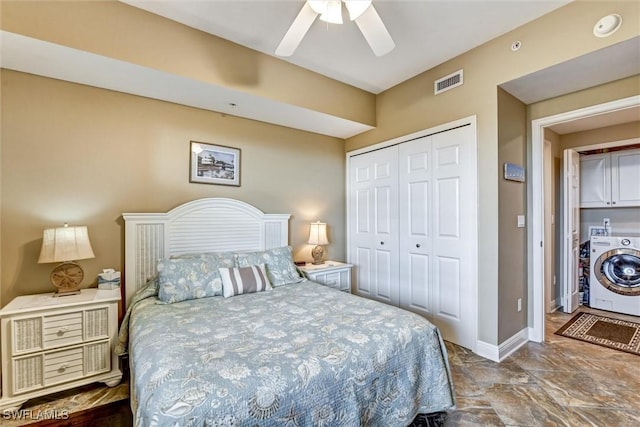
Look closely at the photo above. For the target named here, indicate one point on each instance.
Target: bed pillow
(244, 280)
(191, 277)
(279, 264)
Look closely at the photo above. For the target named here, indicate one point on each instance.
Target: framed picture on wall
(214, 164)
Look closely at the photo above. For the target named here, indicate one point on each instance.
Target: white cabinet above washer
(610, 179)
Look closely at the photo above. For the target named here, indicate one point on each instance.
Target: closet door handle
(382, 243)
(417, 245)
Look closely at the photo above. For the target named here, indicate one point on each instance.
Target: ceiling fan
(360, 11)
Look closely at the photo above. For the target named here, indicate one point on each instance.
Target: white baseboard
(504, 350)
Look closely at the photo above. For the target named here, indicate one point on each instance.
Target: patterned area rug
(613, 333)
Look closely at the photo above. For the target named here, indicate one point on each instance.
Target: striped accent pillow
(244, 280)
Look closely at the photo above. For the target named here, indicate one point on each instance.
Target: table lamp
(318, 237)
(66, 244)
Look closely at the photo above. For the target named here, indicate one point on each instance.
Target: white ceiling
(426, 32)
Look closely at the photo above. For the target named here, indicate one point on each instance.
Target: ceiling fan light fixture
(361, 12)
(333, 12)
(318, 6)
(356, 7)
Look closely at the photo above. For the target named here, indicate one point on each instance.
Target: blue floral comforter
(298, 355)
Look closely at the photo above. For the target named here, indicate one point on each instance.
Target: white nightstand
(332, 273)
(50, 344)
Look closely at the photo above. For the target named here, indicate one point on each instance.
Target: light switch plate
(521, 221)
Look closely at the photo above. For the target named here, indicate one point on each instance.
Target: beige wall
(411, 106)
(77, 154)
(601, 135)
(119, 31)
(512, 272)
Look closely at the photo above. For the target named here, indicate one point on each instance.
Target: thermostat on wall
(513, 172)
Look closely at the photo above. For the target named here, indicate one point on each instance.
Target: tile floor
(563, 382)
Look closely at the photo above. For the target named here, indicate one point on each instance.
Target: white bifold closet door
(374, 223)
(412, 234)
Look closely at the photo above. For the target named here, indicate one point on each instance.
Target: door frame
(535, 257)
(470, 120)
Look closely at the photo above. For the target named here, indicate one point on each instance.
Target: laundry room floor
(561, 382)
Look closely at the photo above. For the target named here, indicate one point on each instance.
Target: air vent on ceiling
(448, 82)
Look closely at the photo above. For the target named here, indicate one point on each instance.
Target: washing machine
(614, 283)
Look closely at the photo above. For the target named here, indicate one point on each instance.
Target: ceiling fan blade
(375, 32)
(296, 31)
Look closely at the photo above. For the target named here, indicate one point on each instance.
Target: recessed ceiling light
(607, 25)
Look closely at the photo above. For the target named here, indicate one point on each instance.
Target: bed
(259, 344)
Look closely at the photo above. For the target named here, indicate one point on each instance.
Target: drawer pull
(63, 368)
(62, 331)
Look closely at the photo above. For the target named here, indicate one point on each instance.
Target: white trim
(470, 120)
(504, 350)
(536, 210)
(508, 347)
(611, 144)
(488, 351)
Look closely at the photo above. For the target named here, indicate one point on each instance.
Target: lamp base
(67, 277)
(317, 253)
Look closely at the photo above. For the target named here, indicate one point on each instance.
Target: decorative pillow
(191, 277)
(279, 263)
(244, 280)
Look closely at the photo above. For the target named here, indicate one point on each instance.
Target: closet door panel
(448, 208)
(447, 274)
(454, 237)
(373, 219)
(415, 188)
(415, 291)
(384, 268)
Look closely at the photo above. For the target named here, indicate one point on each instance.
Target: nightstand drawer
(63, 365)
(63, 329)
(329, 279)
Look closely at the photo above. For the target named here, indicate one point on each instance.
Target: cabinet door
(625, 177)
(373, 222)
(415, 190)
(595, 181)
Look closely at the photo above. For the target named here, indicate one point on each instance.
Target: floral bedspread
(298, 355)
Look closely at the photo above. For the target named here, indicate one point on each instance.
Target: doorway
(536, 254)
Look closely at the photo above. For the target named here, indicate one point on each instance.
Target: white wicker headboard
(204, 225)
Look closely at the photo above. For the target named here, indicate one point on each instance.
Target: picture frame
(214, 164)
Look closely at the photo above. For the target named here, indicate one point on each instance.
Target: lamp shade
(65, 244)
(318, 233)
